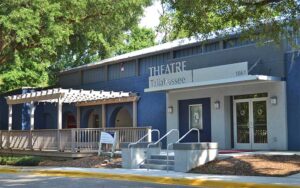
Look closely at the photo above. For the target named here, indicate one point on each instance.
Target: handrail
(193, 129)
(153, 130)
(159, 140)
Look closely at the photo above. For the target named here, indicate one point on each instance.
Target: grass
(20, 160)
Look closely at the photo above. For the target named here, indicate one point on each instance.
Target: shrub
(20, 161)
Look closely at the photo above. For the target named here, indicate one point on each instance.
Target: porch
(70, 142)
(77, 142)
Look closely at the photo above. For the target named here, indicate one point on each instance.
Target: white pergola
(79, 97)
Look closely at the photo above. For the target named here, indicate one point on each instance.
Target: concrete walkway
(161, 177)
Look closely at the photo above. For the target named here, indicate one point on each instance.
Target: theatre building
(237, 93)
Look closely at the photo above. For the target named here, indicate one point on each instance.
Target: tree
(136, 39)
(55, 34)
(256, 19)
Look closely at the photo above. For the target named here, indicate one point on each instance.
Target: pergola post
(103, 115)
(10, 113)
(32, 110)
(78, 116)
(59, 123)
(134, 113)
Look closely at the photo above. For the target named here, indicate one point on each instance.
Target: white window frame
(201, 117)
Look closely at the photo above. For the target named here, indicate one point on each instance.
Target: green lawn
(20, 160)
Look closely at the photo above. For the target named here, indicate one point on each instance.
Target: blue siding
(188, 51)
(151, 106)
(293, 100)
(94, 75)
(70, 79)
(121, 70)
(151, 61)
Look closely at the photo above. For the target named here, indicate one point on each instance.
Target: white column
(78, 117)
(134, 113)
(103, 114)
(59, 124)
(59, 114)
(10, 111)
(32, 109)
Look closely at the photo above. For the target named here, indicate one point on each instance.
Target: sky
(151, 16)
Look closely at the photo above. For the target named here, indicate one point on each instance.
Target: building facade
(239, 94)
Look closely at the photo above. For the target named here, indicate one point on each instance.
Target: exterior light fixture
(170, 109)
(217, 105)
(122, 67)
(273, 100)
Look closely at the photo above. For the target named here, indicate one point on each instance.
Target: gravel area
(253, 165)
(87, 162)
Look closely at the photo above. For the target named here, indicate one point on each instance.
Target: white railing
(75, 140)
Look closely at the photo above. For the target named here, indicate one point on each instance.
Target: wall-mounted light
(273, 100)
(170, 109)
(122, 67)
(217, 105)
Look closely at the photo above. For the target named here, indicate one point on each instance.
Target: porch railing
(75, 140)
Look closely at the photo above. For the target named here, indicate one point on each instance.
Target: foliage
(262, 19)
(136, 39)
(20, 161)
(51, 35)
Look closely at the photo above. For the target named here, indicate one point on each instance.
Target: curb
(141, 178)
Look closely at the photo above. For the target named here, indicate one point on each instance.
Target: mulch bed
(253, 165)
(87, 162)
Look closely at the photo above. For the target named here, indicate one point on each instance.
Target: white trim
(66, 96)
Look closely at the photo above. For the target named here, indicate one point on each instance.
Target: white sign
(170, 79)
(175, 74)
(221, 72)
(107, 138)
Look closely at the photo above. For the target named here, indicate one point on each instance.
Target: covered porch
(71, 141)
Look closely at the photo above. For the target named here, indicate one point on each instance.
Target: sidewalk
(161, 177)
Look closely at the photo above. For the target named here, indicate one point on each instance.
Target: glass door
(242, 124)
(250, 124)
(260, 128)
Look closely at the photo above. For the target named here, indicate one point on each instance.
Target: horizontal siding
(152, 61)
(94, 75)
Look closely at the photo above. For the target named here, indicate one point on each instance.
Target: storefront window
(195, 116)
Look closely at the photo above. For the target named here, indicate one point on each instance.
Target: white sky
(151, 16)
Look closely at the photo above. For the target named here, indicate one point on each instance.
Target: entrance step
(160, 161)
(157, 166)
(162, 157)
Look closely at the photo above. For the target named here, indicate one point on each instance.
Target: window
(256, 95)
(195, 116)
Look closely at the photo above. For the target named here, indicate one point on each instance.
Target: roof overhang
(240, 80)
(79, 97)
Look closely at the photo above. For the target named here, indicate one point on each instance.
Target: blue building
(237, 93)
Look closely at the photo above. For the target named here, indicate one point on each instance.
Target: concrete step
(162, 156)
(157, 166)
(159, 161)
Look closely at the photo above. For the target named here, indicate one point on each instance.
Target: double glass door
(250, 124)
